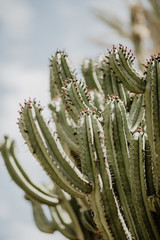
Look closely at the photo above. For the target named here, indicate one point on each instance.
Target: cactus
(103, 157)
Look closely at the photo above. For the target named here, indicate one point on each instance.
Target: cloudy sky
(30, 32)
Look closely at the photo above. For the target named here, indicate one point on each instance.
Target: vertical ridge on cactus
(103, 158)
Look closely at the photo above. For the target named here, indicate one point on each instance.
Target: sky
(30, 32)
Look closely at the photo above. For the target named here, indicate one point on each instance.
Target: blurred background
(30, 32)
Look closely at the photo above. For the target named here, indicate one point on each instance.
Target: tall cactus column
(149, 85)
(152, 108)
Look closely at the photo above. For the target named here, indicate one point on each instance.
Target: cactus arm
(56, 150)
(142, 147)
(155, 92)
(121, 137)
(59, 70)
(117, 167)
(56, 79)
(65, 229)
(155, 99)
(70, 101)
(126, 75)
(62, 133)
(23, 181)
(138, 189)
(12, 153)
(48, 159)
(63, 124)
(118, 71)
(136, 113)
(42, 223)
(67, 205)
(63, 118)
(88, 221)
(96, 204)
(104, 76)
(148, 106)
(110, 201)
(148, 117)
(153, 117)
(78, 95)
(98, 100)
(53, 85)
(70, 206)
(90, 76)
(124, 120)
(121, 146)
(75, 96)
(63, 221)
(84, 153)
(127, 61)
(86, 96)
(110, 84)
(90, 167)
(128, 99)
(85, 93)
(149, 170)
(51, 168)
(66, 66)
(118, 89)
(39, 187)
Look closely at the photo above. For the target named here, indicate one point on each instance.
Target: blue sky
(30, 32)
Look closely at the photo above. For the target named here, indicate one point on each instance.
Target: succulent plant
(102, 155)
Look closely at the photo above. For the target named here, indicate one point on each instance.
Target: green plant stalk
(118, 158)
(21, 178)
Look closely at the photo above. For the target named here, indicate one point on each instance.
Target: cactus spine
(104, 158)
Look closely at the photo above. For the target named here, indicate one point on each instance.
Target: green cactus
(104, 156)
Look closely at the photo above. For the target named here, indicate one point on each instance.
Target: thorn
(143, 64)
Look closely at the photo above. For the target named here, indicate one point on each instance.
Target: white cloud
(16, 17)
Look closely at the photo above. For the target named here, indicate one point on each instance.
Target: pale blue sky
(30, 31)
